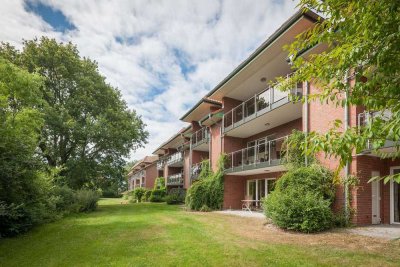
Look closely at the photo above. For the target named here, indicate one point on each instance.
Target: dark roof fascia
(286, 25)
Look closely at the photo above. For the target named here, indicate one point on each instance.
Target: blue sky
(163, 55)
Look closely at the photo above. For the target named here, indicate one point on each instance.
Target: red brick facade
(314, 116)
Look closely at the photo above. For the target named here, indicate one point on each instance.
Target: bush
(159, 183)
(64, 198)
(158, 195)
(175, 196)
(110, 193)
(302, 200)
(138, 193)
(207, 191)
(86, 200)
(147, 194)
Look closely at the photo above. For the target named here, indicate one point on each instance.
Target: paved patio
(385, 231)
(242, 213)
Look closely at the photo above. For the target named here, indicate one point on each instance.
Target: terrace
(200, 139)
(271, 107)
(265, 155)
(175, 160)
(175, 179)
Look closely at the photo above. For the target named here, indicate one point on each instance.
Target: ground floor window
(395, 198)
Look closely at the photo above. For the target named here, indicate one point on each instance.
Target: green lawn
(160, 235)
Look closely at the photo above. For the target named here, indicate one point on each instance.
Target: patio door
(258, 189)
(394, 198)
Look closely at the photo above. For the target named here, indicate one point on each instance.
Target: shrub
(14, 219)
(147, 194)
(207, 191)
(302, 200)
(64, 198)
(175, 196)
(110, 193)
(86, 200)
(159, 183)
(157, 195)
(138, 193)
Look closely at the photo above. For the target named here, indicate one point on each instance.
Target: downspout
(190, 161)
(307, 91)
(347, 166)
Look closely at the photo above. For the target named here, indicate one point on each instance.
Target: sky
(162, 55)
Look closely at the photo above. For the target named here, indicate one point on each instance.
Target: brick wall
(186, 169)
(235, 188)
(216, 142)
(151, 174)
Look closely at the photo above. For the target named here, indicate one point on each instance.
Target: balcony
(160, 164)
(175, 179)
(195, 170)
(175, 160)
(142, 185)
(138, 175)
(200, 139)
(365, 118)
(264, 109)
(261, 158)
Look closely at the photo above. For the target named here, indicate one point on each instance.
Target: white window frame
(266, 187)
(391, 195)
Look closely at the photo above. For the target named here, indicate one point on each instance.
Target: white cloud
(212, 36)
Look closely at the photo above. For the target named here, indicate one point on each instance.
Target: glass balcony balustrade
(263, 154)
(259, 104)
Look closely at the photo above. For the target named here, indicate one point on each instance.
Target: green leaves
(88, 129)
(361, 41)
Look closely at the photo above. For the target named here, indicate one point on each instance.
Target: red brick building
(143, 173)
(248, 119)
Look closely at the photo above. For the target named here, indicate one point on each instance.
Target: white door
(394, 198)
(376, 199)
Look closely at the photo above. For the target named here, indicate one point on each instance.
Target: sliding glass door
(395, 198)
(258, 189)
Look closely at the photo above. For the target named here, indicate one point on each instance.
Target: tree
(87, 129)
(22, 183)
(363, 44)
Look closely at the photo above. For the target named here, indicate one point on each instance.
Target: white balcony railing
(200, 136)
(259, 104)
(195, 170)
(175, 179)
(175, 158)
(262, 155)
(138, 175)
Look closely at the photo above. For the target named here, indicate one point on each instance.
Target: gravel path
(242, 213)
(389, 232)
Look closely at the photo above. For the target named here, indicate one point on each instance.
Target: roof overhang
(201, 109)
(267, 62)
(174, 142)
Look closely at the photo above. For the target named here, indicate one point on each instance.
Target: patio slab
(242, 213)
(389, 232)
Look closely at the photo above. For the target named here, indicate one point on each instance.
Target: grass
(160, 235)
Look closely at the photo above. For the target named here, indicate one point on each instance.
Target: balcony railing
(138, 174)
(201, 136)
(259, 104)
(195, 170)
(174, 158)
(175, 179)
(160, 164)
(262, 155)
(365, 118)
